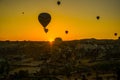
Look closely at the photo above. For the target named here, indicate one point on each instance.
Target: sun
(51, 41)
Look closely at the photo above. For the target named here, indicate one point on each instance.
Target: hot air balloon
(44, 19)
(46, 30)
(119, 37)
(22, 12)
(66, 32)
(58, 2)
(115, 34)
(98, 17)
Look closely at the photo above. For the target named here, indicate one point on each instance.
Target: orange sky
(76, 16)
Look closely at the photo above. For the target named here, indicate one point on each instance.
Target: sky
(76, 16)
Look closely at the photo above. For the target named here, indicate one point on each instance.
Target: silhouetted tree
(4, 67)
(118, 74)
(84, 77)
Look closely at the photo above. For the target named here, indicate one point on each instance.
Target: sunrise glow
(19, 19)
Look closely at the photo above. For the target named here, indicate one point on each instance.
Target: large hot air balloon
(98, 17)
(44, 19)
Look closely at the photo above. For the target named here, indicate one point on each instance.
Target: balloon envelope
(44, 19)
(66, 32)
(58, 2)
(22, 12)
(119, 38)
(115, 34)
(98, 17)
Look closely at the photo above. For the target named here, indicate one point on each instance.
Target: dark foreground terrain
(87, 59)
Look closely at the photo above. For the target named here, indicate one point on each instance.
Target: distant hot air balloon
(46, 30)
(22, 12)
(115, 34)
(98, 17)
(119, 37)
(58, 2)
(66, 32)
(44, 19)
